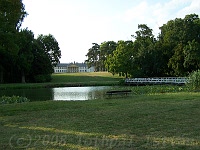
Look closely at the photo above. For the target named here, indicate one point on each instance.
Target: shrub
(122, 82)
(194, 80)
(13, 99)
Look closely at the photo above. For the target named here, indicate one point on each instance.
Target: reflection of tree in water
(41, 94)
(98, 94)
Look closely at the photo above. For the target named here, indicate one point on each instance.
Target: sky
(76, 24)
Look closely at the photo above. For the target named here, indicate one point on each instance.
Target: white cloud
(158, 13)
(194, 7)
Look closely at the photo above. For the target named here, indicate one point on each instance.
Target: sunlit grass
(85, 77)
(181, 141)
(105, 74)
(158, 121)
(70, 79)
(156, 140)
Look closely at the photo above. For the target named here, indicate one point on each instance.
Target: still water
(64, 93)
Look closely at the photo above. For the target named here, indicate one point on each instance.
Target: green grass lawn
(71, 79)
(157, 121)
(152, 117)
(86, 77)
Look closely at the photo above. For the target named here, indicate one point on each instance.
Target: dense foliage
(175, 52)
(22, 57)
(194, 80)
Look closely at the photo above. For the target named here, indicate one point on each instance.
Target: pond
(64, 93)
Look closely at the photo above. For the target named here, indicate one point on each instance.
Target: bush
(194, 80)
(13, 99)
(122, 82)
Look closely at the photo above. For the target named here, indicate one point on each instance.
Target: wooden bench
(118, 92)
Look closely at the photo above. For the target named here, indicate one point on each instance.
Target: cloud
(194, 7)
(157, 13)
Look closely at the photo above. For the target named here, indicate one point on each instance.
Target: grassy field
(152, 117)
(71, 79)
(157, 121)
(91, 77)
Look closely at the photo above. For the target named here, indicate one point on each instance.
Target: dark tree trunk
(1, 74)
(23, 77)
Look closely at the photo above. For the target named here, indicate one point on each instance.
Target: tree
(194, 80)
(177, 60)
(144, 47)
(94, 56)
(160, 59)
(12, 14)
(191, 28)
(192, 56)
(19, 51)
(46, 54)
(122, 59)
(174, 36)
(110, 64)
(25, 55)
(106, 49)
(51, 48)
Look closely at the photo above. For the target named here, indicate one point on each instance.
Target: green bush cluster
(140, 90)
(194, 80)
(13, 99)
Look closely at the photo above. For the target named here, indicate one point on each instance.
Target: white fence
(158, 80)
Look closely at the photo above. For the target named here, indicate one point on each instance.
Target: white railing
(158, 80)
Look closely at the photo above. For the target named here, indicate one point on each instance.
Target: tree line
(24, 58)
(175, 52)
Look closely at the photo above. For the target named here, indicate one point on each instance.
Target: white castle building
(72, 68)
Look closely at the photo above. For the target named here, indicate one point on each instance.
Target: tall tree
(106, 48)
(25, 55)
(50, 46)
(191, 28)
(12, 13)
(161, 59)
(46, 54)
(94, 56)
(171, 35)
(144, 47)
(122, 59)
(175, 35)
(177, 60)
(192, 56)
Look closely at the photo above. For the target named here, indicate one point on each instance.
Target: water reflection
(41, 94)
(79, 93)
(66, 93)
